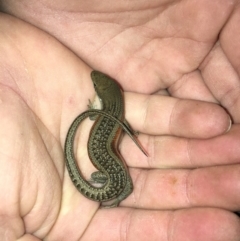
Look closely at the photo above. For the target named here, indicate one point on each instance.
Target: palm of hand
(43, 126)
(147, 47)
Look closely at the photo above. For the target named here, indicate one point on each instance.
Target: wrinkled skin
(169, 57)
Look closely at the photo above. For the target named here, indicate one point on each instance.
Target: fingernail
(230, 125)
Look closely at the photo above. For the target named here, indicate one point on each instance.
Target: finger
(175, 152)
(174, 189)
(164, 115)
(222, 150)
(163, 152)
(223, 80)
(182, 225)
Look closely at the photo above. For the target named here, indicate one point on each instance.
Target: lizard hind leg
(98, 177)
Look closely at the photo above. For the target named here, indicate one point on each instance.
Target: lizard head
(103, 83)
(106, 88)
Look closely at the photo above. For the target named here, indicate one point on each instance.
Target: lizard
(112, 174)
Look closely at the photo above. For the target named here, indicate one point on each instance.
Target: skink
(112, 175)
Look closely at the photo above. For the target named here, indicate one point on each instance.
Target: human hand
(73, 207)
(220, 72)
(147, 47)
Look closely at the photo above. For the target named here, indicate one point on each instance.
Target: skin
(173, 46)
